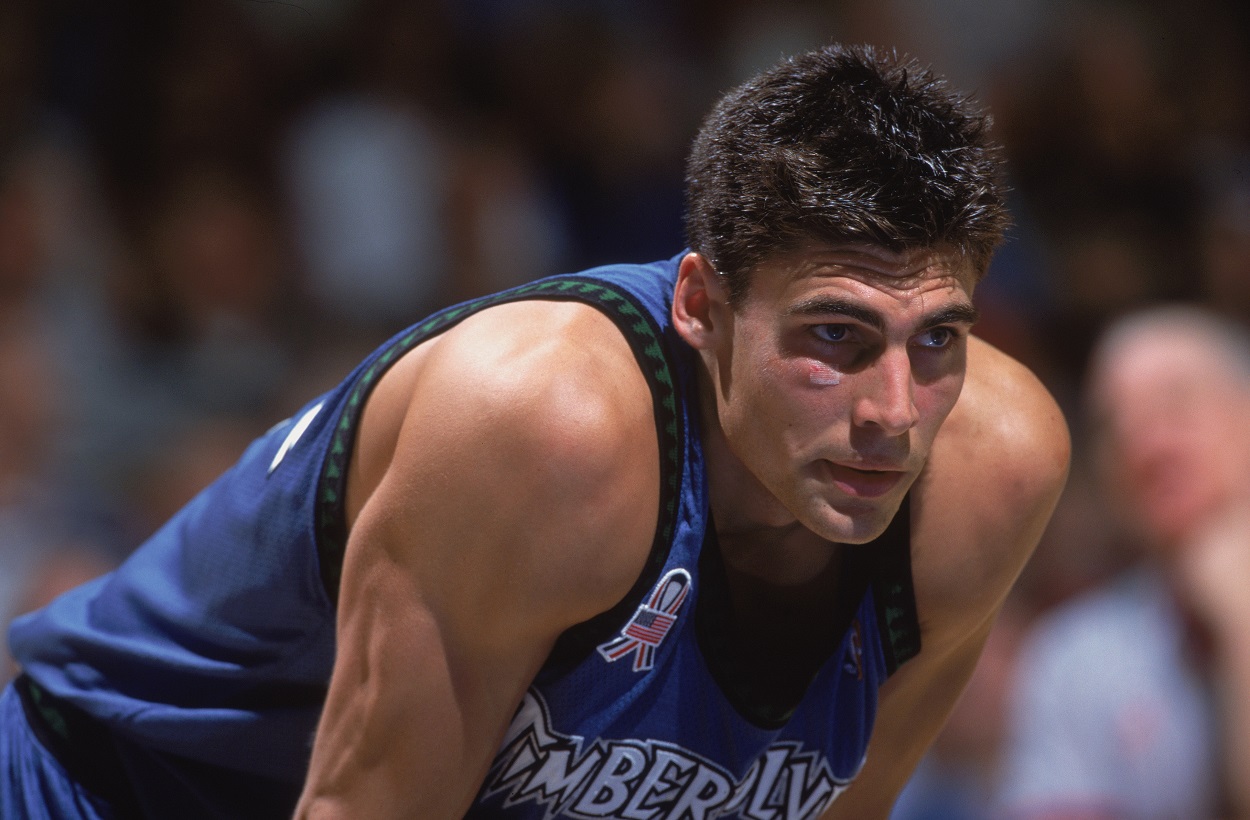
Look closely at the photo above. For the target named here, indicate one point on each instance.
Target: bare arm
(520, 499)
(981, 506)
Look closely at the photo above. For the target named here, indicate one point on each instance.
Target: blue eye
(832, 333)
(937, 337)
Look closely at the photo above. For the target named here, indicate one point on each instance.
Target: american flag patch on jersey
(651, 622)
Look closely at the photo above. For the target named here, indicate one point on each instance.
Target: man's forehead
(898, 268)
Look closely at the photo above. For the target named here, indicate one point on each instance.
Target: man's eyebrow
(831, 305)
(960, 313)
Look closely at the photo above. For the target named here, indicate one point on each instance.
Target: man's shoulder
(552, 371)
(530, 424)
(993, 478)
(1006, 436)
(1004, 413)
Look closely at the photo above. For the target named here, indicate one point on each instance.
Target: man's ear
(700, 303)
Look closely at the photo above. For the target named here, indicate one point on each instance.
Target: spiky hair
(842, 145)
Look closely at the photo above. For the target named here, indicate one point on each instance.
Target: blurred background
(210, 209)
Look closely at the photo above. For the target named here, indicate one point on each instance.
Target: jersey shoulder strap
(894, 592)
(636, 322)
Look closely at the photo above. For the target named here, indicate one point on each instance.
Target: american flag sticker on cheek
(651, 622)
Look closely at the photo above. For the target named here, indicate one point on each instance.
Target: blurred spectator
(28, 396)
(505, 222)
(1133, 701)
(220, 294)
(605, 110)
(198, 322)
(213, 92)
(38, 522)
(365, 171)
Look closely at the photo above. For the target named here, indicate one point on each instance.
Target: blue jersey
(204, 659)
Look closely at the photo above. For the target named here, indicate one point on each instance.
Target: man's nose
(886, 397)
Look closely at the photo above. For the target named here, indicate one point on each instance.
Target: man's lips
(862, 482)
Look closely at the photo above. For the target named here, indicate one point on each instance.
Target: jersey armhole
(645, 339)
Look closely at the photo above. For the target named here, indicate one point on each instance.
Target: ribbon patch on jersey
(651, 622)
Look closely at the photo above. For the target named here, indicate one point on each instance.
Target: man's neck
(759, 536)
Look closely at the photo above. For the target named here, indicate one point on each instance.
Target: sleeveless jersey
(205, 656)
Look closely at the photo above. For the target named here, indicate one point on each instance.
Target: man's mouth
(863, 482)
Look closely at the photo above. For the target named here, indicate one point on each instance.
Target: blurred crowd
(210, 209)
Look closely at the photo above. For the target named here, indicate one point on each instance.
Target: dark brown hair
(842, 145)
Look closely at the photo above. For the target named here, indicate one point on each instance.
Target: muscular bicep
(512, 508)
(427, 674)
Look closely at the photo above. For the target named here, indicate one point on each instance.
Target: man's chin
(857, 523)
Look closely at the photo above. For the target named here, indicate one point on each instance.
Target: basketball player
(721, 535)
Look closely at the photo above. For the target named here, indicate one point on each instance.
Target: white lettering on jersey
(650, 779)
(296, 431)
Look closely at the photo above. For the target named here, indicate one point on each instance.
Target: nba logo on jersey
(651, 622)
(854, 664)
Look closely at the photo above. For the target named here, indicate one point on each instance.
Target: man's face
(839, 368)
(1171, 430)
